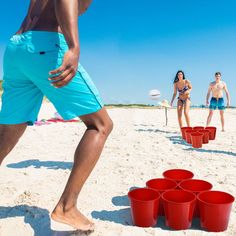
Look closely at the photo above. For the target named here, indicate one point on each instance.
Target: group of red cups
(180, 198)
(198, 135)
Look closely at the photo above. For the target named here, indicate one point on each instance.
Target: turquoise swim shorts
(28, 58)
(217, 103)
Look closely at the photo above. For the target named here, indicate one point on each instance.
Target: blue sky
(129, 48)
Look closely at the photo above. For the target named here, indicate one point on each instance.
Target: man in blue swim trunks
(217, 101)
(42, 58)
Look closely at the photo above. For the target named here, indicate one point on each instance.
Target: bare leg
(179, 112)
(99, 126)
(209, 117)
(9, 136)
(186, 111)
(222, 119)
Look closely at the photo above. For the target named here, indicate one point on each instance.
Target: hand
(207, 103)
(171, 104)
(228, 104)
(186, 93)
(65, 73)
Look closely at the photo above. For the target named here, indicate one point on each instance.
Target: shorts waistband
(40, 36)
(217, 98)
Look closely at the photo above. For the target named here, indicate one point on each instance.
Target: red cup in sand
(198, 128)
(161, 185)
(195, 186)
(215, 208)
(196, 139)
(212, 130)
(144, 204)
(179, 207)
(178, 175)
(183, 130)
(206, 136)
(188, 136)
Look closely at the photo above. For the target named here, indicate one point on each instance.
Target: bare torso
(180, 85)
(41, 16)
(217, 89)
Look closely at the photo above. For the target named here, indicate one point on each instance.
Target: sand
(140, 147)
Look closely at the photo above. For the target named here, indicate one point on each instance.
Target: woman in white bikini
(184, 88)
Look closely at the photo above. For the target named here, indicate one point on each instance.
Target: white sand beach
(140, 147)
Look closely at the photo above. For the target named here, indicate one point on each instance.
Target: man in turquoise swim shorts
(217, 88)
(42, 58)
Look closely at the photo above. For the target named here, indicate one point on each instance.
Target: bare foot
(72, 217)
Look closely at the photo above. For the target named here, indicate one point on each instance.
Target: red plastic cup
(188, 135)
(212, 130)
(206, 135)
(196, 139)
(183, 130)
(198, 128)
(178, 175)
(179, 206)
(161, 185)
(195, 186)
(144, 204)
(215, 208)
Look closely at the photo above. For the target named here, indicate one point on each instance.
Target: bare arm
(187, 93)
(174, 94)
(84, 5)
(227, 95)
(190, 86)
(208, 95)
(67, 16)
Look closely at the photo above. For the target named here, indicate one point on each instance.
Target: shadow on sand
(52, 165)
(123, 216)
(212, 151)
(177, 139)
(37, 218)
(156, 131)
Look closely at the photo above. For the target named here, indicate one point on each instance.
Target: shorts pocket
(50, 49)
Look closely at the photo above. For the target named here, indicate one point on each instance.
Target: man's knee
(103, 126)
(211, 113)
(106, 127)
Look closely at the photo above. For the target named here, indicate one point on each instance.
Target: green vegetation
(135, 105)
(149, 106)
(130, 106)
(0, 87)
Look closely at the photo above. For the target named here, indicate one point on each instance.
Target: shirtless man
(42, 58)
(217, 101)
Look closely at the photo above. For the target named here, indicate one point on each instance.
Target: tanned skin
(180, 106)
(62, 16)
(217, 88)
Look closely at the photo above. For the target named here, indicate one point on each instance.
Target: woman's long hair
(176, 76)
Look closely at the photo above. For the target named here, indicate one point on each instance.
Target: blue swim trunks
(28, 59)
(217, 103)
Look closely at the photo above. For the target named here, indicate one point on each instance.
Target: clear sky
(129, 48)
